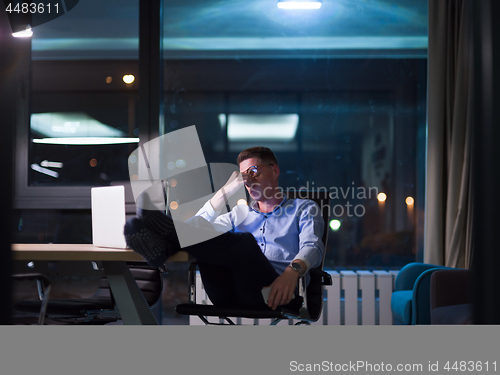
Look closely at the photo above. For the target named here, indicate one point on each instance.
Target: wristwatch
(296, 267)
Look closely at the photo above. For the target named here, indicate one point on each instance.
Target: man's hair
(263, 153)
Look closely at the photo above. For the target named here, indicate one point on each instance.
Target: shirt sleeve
(311, 227)
(223, 222)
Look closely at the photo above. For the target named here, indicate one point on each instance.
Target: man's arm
(311, 227)
(232, 185)
(211, 210)
(311, 249)
(283, 288)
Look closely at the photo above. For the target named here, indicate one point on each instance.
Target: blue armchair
(410, 301)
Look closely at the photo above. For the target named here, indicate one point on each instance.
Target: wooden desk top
(85, 252)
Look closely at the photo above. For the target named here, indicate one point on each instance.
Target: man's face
(260, 181)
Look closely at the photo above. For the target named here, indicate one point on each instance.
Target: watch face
(296, 267)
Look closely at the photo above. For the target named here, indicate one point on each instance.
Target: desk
(129, 299)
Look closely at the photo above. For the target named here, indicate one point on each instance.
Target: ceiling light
(71, 124)
(24, 34)
(51, 164)
(86, 141)
(299, 4)
(282, 127)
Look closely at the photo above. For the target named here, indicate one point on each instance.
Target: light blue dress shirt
(292, 231)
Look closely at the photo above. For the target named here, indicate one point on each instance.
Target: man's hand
(232, 185)
(282, 288)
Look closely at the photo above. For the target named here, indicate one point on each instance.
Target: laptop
(108, 216)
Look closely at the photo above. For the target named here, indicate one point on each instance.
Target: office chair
(100, 307)
(452, 297)
(43, 288)
(312, 305)
(410, 301)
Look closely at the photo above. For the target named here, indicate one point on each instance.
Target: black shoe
(150, 245)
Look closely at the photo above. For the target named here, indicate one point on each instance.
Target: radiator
(354, 298)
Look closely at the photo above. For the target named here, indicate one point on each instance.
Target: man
(272, 243)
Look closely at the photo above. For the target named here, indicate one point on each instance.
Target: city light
(381, 197)
(128, 78)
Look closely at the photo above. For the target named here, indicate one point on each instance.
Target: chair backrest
(322, 198)
(69, 279)
(148, 279)
(150, 282)
(315, 287)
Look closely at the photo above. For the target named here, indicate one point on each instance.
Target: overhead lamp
(299, 4)
(71, 124)
(51, 164)
(24, 34)
(268, 127)
(81, 141)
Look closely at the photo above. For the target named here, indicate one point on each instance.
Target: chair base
(225, 314)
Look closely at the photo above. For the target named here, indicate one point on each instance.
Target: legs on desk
(133, 308)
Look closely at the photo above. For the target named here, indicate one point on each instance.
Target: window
(354, 77)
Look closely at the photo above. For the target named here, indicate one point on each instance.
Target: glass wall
(338, 93)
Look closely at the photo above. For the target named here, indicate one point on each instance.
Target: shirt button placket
(263, 230)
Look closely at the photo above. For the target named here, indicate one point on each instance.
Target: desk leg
(133, 308)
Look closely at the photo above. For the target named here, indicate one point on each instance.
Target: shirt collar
(255, 207)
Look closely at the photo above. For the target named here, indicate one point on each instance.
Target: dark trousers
(232, 266)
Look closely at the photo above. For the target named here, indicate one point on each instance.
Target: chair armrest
(192, 282)
(409, 274)
(303, 311)
(421, 301)
(326, 277)
(317, 274)
(450, 287)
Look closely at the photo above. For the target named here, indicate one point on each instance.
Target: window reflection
(90, 135)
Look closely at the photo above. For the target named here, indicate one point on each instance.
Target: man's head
(260, 172)
(263, 153)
